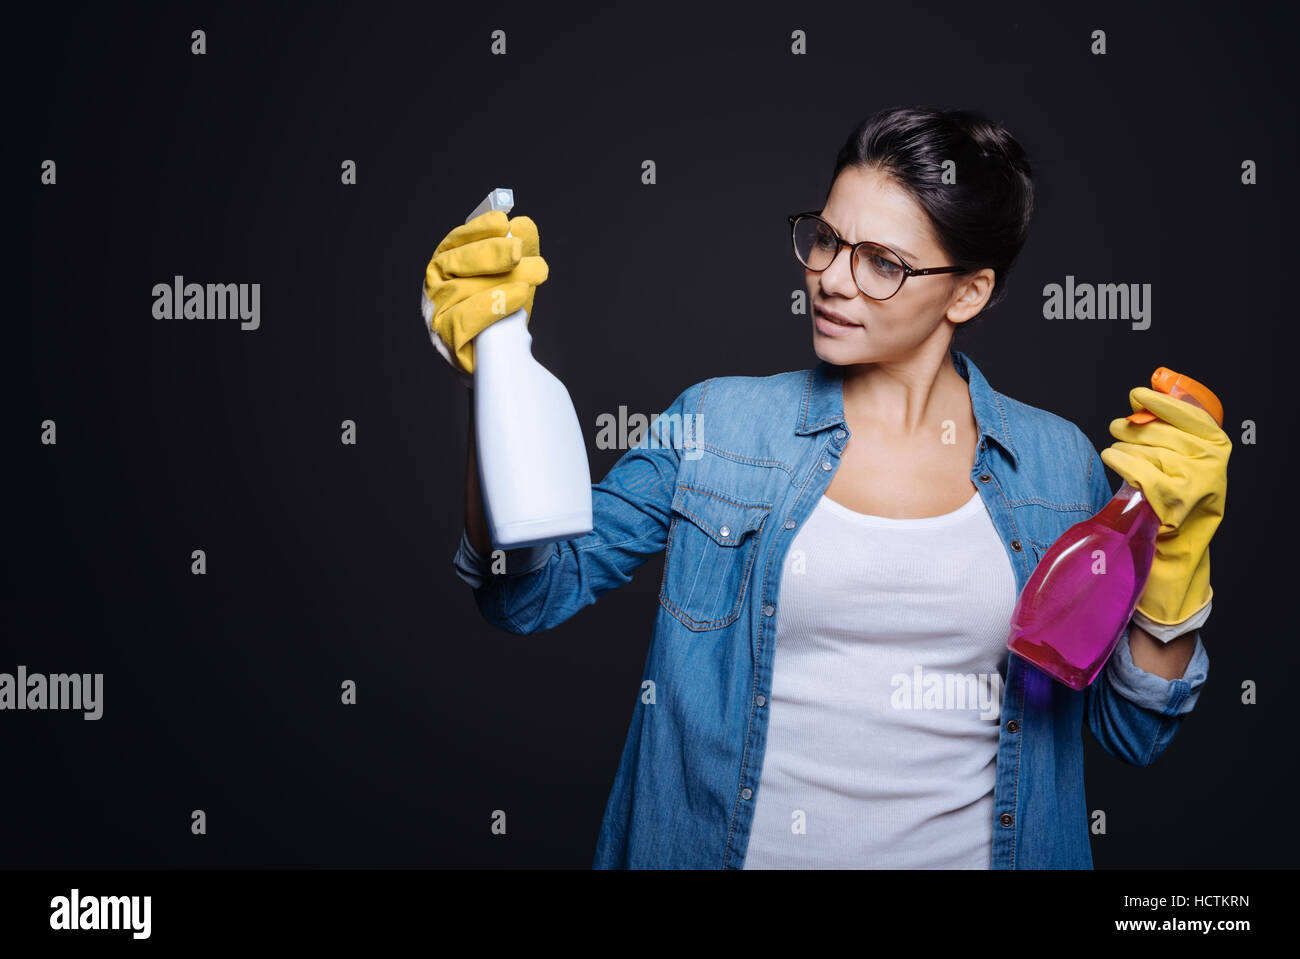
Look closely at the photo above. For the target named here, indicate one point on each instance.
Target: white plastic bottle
(532, 459)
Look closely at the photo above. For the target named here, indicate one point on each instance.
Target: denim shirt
(723, 480)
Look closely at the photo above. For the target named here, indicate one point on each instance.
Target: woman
(828, 683)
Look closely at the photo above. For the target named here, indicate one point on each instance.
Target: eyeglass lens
(875, 269)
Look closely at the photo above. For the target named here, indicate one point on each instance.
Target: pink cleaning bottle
(1081, 596)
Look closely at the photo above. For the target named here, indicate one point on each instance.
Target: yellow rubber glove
(1180, 462)
(477, 276)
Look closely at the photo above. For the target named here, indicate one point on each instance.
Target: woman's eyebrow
(892, 246)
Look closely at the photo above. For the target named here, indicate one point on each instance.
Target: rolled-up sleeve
(1169, 697)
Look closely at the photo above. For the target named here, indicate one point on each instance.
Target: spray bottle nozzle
(1182, 387)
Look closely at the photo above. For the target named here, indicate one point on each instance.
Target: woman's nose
(838, 277)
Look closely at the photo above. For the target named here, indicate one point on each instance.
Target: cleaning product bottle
(532, 458)
(1081, 596)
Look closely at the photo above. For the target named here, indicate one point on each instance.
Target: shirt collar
(823, 402)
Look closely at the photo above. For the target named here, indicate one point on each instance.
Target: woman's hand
(477, 276)
(1180, 462)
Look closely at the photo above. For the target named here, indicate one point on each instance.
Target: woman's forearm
(475, 519)
(1166, 660)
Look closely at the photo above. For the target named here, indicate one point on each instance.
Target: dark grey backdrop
(329, 563)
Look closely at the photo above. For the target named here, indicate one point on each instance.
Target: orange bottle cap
(1182, 387)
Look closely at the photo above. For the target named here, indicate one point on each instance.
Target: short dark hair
(982, 220)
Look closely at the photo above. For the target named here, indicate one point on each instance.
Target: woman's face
(869, 205)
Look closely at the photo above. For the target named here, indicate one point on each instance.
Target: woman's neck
(909, 396)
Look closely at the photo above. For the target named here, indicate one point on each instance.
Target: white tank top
(886, 692)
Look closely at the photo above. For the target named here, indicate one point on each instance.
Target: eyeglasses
(878, 271)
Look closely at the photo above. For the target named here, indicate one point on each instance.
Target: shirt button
(789, 524)
(839, 434)
(1006, 819)
(1015, 544)
(769, 610)
(761, 699)
(746, 793)
(1013, 726)
(724, 532)
(826, 465)
(981, 444)
(984, 477)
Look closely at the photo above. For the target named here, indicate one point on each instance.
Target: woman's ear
(970, 295)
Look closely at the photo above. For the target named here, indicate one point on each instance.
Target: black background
(329, 562)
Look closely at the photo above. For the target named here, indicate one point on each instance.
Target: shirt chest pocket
(710, 553)
(1042, 523)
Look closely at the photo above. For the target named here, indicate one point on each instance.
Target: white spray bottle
(532, 459)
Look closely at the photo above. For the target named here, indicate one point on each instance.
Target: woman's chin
(836, 351)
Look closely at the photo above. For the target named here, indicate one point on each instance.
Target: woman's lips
(831, 324)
